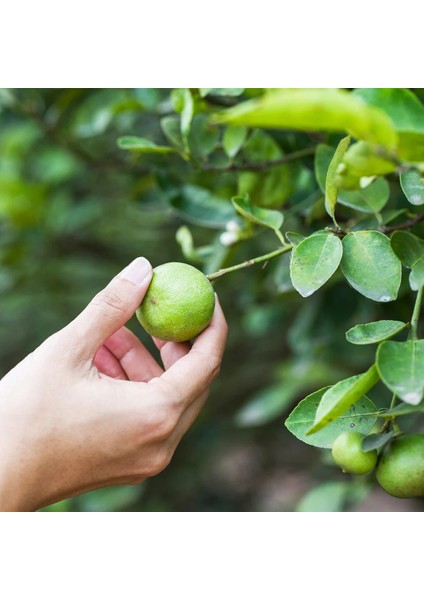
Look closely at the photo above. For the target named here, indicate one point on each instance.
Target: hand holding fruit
(92, 408)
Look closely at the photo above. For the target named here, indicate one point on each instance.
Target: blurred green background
(75, 208)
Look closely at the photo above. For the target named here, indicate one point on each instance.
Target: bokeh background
(75, 208)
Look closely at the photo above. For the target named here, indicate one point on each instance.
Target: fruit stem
(249, 263)
(413, 334)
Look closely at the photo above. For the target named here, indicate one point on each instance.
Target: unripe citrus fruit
(400, 470)
(348, 454)
(179, 303)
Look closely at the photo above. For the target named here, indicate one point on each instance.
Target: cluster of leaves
(385, 144)
(89, 178)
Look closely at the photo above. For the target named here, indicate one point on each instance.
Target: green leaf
(331, 189)
(370, 265)
(341, 396)
(371, 199)
(138, 144)
(261, 216)
(187, 112)
(294, 238)
(360, 417)
(401, 368)
(314, 110)
(372, 333)
(313, 262)
(412, 184)
(410, 250)
(406, 113)
(323, 157)
(233, 139)
(374, 441)
(201, 207)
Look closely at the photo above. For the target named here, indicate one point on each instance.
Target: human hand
(92, 408)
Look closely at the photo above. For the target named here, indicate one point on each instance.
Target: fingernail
(137, 271)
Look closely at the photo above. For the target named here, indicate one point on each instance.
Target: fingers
(110, 309)
(135, 360)
(190, 376)
(108, 364)
(170, 352)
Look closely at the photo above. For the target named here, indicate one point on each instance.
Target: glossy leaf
(401, 368)
(410, 250)
(331, 189)
(233, 140)
(261, 216)
(370, 265)
(341, 396)
(138, 144)
(406, 113)
(313, 262)
(201, 207)
(371, 199)
(310, 109)
(372, 333)
(323, 157)
(360, 417)
(412, 183)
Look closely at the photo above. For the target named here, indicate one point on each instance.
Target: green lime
(348, 454)
(179, 303)
(400, 470)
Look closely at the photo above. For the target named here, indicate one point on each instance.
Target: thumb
(110, 309)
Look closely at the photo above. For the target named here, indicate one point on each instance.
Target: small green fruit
(400, 470)
(348, 454)
(179, 303)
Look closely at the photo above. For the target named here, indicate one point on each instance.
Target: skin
(92, 408)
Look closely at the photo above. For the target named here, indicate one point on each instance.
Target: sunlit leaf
(310, 109)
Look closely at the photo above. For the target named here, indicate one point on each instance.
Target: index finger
(192, 374)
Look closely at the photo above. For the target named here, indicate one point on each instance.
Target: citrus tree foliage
(303, 204)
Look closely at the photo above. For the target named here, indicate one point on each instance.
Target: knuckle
(110, 300)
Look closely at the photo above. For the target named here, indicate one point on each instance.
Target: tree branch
(264, 166)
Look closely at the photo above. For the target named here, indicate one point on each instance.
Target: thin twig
(263, 166)
(251, 262)
(405, 225)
